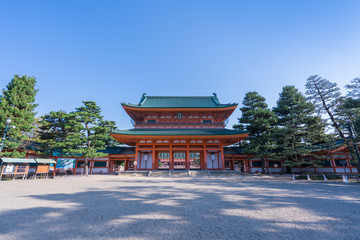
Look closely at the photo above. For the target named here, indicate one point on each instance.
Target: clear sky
(113, 51)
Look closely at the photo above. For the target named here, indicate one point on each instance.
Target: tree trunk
(86, 167)
(358, 167)
(283, 170)
(263, 171)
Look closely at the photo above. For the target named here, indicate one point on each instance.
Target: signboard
(21, 169)
(42, 169)
(10, 168)
(65, 163)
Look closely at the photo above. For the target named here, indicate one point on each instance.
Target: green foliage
(82, 132)
(354, 88)
(259, 121)
(60, 132)
(18, 103)
(297, 129)
(93, 135)
(351, 106)
(103, 129)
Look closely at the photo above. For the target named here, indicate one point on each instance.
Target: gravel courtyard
(113, 207)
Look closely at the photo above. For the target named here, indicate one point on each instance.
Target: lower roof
(179, 132)
(131, 136)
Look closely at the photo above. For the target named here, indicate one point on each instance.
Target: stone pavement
(237, 207)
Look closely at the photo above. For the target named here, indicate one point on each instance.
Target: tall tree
(18, 103)
(258, 120)
(94, 132)
(326, 97)
(297, 128)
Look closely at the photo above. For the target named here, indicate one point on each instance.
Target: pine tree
(60, 131)
(258, 120)
(18, 104)
(82, 132)
(326, 97)
(103, 129)
(351, 106)
(94, 132)
(297, 128)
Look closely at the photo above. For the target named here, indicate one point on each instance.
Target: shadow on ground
(149, 208)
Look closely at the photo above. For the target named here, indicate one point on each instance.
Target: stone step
(182, 173)
(160, 173)
(179, 173)
(224, 173)
(134, 173)
(198, 173)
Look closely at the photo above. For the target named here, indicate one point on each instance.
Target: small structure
(15, 167)
(65, 165)
(44, 166)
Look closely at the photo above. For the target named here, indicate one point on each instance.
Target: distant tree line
(298, 122)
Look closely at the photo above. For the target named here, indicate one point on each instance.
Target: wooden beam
(171, 157)
(136, 155)
(222, 157)
(154, 162)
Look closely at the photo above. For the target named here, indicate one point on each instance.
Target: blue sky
(113, 51)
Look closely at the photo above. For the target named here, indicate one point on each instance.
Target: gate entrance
(194, 160)
(164, 160)
(179, 160)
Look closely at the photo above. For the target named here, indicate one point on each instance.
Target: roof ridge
(180, 96)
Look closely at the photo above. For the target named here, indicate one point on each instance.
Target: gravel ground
(113, 207)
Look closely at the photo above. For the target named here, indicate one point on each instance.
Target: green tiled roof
(179, 102)
(233, 150)
(179, 132)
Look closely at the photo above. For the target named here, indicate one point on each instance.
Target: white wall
(98, 170)
(325, 170)
(274, 170)
(145, 164)
(212, 159)
(256, 169)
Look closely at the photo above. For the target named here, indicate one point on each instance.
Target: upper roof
(179, 102)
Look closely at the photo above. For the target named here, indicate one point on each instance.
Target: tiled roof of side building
(233, 150)
(119, 150)
(180, 102)
(179, 132)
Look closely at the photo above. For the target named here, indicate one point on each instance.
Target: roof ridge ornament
(142, 100)
(215, 98)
